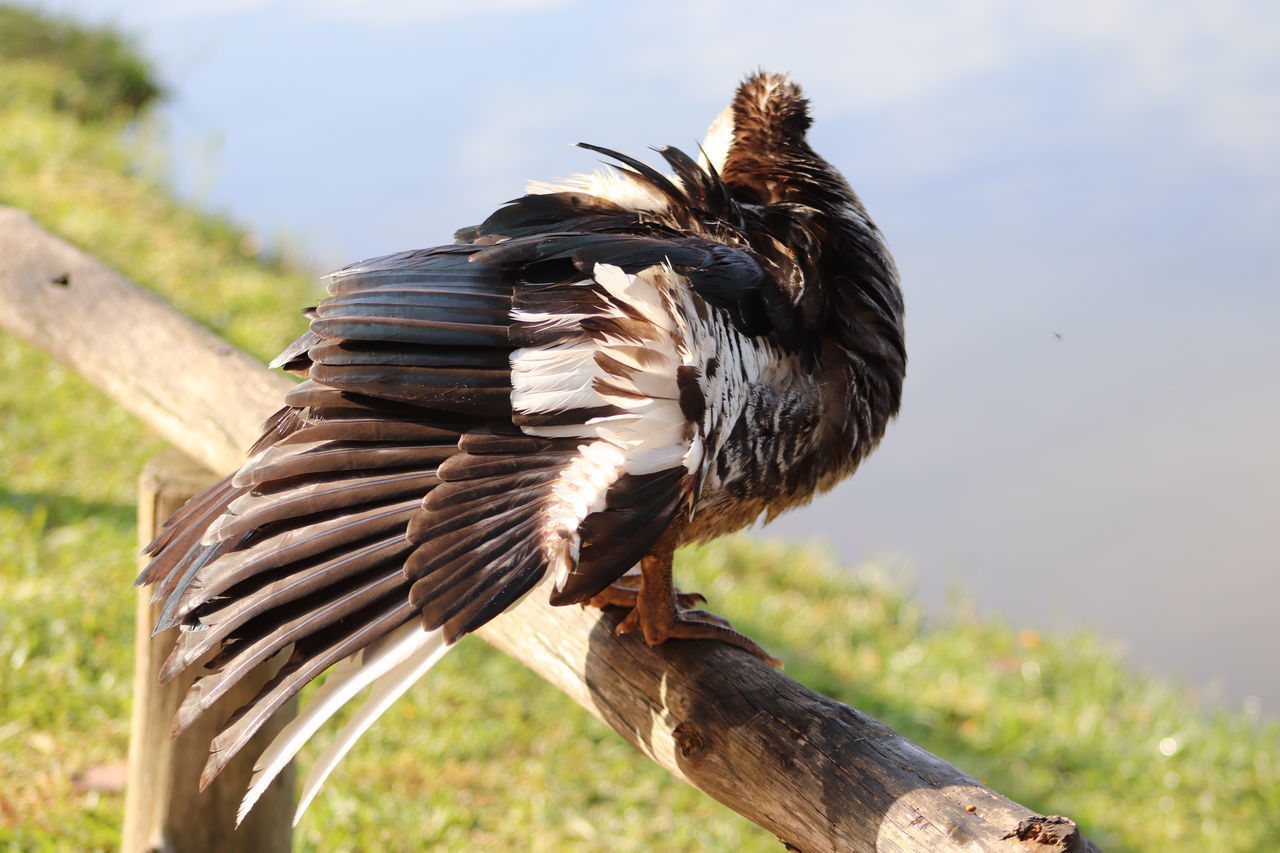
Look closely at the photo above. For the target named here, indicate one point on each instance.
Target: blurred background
(1083, 200)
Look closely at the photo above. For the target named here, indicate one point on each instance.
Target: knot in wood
(688, 740)
(1054, 831)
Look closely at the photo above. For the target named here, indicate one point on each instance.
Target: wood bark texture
(818, 774)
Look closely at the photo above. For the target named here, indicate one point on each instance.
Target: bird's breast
(760, 430)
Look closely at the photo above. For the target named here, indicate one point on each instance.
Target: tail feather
(406, 644)
(306, 664)
(386, 690)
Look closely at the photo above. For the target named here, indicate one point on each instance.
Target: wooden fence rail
(818, 774)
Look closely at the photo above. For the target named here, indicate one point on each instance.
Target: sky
(1083, 200)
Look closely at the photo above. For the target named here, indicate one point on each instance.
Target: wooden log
(164, 808)
(122, 339)
(818, 774)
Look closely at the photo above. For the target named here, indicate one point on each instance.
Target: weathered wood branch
(818, 774)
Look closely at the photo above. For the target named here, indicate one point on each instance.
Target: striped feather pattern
(404, 492)
(541, 400)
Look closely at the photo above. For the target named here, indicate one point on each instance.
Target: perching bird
(596, 374)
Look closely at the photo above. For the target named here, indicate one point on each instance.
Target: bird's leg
(658, 612)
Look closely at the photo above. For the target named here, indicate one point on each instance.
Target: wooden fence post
(164, 809)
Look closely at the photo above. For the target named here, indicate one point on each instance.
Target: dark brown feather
(638, 507)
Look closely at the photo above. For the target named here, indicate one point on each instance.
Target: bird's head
(807, 220)
(759, 137)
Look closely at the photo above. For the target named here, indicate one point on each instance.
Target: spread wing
(473, 419)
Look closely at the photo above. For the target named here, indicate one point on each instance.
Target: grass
(483, 755)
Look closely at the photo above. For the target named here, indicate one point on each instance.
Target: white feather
(579, 491)
(718, 141)
(546, 321)
(539, 400)
(386, 690)
(348, 678)
(651, 430)
(608, 183)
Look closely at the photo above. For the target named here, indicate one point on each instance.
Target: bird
(604, 369)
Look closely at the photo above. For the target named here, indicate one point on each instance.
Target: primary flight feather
(599, 372)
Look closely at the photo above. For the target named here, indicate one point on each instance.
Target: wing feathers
(303, 667)
(375, 430)
(473, 417)
(315, 578)
(285, 464)
(181, 532)
(236, 660)
(295, 547)
(251, 512)
(409, 331)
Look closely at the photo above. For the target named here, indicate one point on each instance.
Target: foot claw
(701, 629)
(688, 623)
(630, 623)
(677, 617)
(699, 615)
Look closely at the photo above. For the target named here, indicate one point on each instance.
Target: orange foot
(625, 592)
(672, 616)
